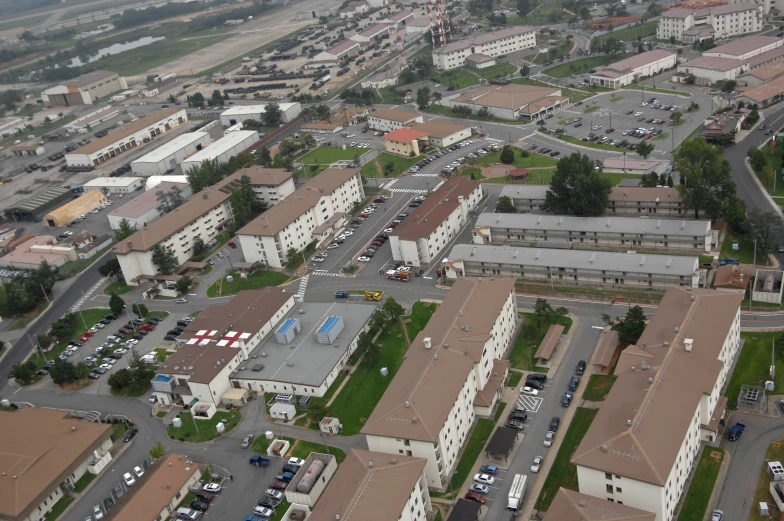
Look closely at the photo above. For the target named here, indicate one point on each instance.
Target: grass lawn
(514, 379)
(598, 387)
(695, 502)
(592, 109)
(58, 508)
(519, 355)
(162, 354)
(118, 288)
(536, 177)
(304, 448)
(329, 155)
(539, 16)
(73, 267)
(376, 167)
(745, 253)
(762, 492)
(91, 316)
(387, 97)
(446, 111)
(256, 280)
(672, 91)
(753, 365)
(533, 160)
(661, 137)
(420, 316)
(579, 66)
(497, 71)
(161, 414)
(458, 78)
(631, 33)
(206, 428)
(563, 473)
(26, 23)
(616, 98)
(118, 429)
(82, 482)
(473, 448)
(30, 109)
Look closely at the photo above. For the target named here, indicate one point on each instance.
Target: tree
(16, 299)
(272, 116)
(706, 178)
(183, 284)
(22, 374)
(392, 309)
(437, 97)
(116, 303)
(576, 188)
(292, 254)
(40, 282)
(199, 247)
(423, 97)
(766, 175)
(542, 311)
(676, 116)
(264, 158)
(44, 340)
(629, 328)
(82, 371)
(763, 227)
(316, 410)
(164, 259)
(157, 452)
(507, 155)
(139, 309)
(669, 180)
(64, 326)
(169, 200)
(125, 230)
(62, 372)
(245, 202)
(650, 180)
(505, 205)
(172, 99)
(525, 70)
(111, 268)
(644, 149)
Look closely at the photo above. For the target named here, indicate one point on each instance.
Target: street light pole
(49, 301)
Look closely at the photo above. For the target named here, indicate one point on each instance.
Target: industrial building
(64, 449)
(69, 212)
(745, 48)
(142, 210)
(370, 35)
(336, 53)
(573, 266)
(83, 90)
(439, 219)
(496, 43)
(714, 22)
(442, 134)
(114, 185)
(387, 120)
(448, 377)
(627, 71)
(616, 165)
(312, 213)
(666, 401)
(222, 150)
(28, 149)
(89, 121)
(132, 135)
(11, 126)
(514, 101)
(563, 231)
(710, 69)
(168, 156)
(240, 113)
(33, 208)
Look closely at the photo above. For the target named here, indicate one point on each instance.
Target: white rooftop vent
(688, 343)
(628, 422)
(428, 343)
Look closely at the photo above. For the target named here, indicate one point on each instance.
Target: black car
(515, 424)
(539, 377)
(131, 434)
(554, 423)
(290, 468)
(267, 502)
(580, 369)
(170, 338)
(536, 384)
(94, 376)
(573, 383)
(108, 504)
(519, 416)
(201, 506)
(118, 492)
(110, 316)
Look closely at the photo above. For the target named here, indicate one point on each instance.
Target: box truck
(517, 492)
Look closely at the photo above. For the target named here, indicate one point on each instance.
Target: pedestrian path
(303, 284)
(408, 190)
(87, 294)
(328, 274)
(425, 175)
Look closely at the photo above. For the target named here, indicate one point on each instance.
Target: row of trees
(211, 172)
(653, 180)
(22, 294)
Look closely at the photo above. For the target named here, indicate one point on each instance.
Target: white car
(120, 350)
(69, 234)
(638, 114)
(644, 104)
(106, 366)
(485, 479)
(333, 246)
(182, 300)
(297, 462)
(537, 464)
(317, 259)
(548, 438)
(93, 329)
(129, 479)
(98, 512)
(363, 259)
(530, 391)
(100, 326)
(138, 471)
(212, 488)
(263, 511)
(132, 341)
(277, 495)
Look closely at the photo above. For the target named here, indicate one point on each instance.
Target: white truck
(517, 492)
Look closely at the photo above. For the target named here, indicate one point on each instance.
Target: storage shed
(235, 397)
(68, 213)
(283, 411)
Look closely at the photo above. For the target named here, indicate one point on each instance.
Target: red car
(649, 136)
(364, 215)
(278, 485)
(148, 327)
(377, 243)
(473, 496)
(88, 334)
(83, 339)
(391, 225)
(233, 246)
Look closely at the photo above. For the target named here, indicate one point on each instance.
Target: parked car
(473, 496)
(529, 391)
(515, 424)
(247, 441)
(554, 423)
(489, 469)
(484, 479)
(580, 369)
(130, 434)
(212, 488)
(566, 399)
(548, 438)
(128, 479)
(537, 464)
(201, 506)
(574, 382)
(479, 488)
(97, 512)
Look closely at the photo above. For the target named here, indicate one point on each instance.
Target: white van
(188, 514)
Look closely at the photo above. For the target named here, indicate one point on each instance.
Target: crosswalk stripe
(425, 175)
(87, 294)
(303, 284)
(408, 190)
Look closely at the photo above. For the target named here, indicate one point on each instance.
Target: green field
(631, 33)
(458, 78)
(753, 365)
(539, 16)
(696, 500)
(256, 280)
(533, 160)
(26, 23)
(205, 429)
(496, 71)
(598, 386)
(376, 167)
(582, 65)
(329, 155)
(745, 253)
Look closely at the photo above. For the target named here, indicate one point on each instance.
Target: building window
(607, 475)
(609, 489)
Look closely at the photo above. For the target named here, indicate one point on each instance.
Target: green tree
(650, 180)
(125, 230)
(22, 374)
(62, 372)
(525, 70)
(272, 116)
(766, 175)
(264, 158)
(64, 326)
(44, 340)
(393, 309)
(184, 284)
(542, 313)
(164, 259)
(111, 268)
(168, 200)
(292, 257)
(16, 299)
(423, 97)
(507, 155)
(505, 205)
(139, 309)
(629, 328)
(764, 228)
(676, 116)
(316, 410)
(644, 149)
(245, 202)
(199, 247)
(116, 303)
(82, 371)
(707, 184)
(437, 97)
(157, 451)
(576, 188)
(669, 180)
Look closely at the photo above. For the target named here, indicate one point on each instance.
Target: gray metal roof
(526, 191)
(33, 203)
(633, 225)
(579, 259)
(310, 361)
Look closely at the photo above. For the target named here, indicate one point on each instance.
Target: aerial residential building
(168, 156)
(720, 21)
(666, 401)
(142, 210)
(312, 213)
(746, 47)
(42, 450)
(387, 120)
(453, 366)
(603, 233)
(114, 185)
(442, 134)
(513, 101)
(83, 90)
(496, 43)
(222, 150)
(374, 485)
(240, 113)
(574, 266)
(204, 215)
(429, 227)
(569, 505)
(627, 71)
(132, 135)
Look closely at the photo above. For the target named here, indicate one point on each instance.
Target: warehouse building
(370, 35)
(168, 156)
(336, 53)
(760, 75)
(132, 135)
(625, 72)
(240, 113)
(441, 133)
(745, 48)
(312, 213)
(574, 266)
(710, 69)
(514, 101)
(91, 120)
(28, 149)
(635, 166)
(115, 185)
(387, 120)
(36, 206)
(453, 372)
(563, 231)
(429, 227)
(69, 212)
(84, 90)
(222, 150)
(496, 43)
(763, 95)
(142, 210)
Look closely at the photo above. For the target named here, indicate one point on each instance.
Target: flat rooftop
(310, 362)
(237, 110)
(145, 202)
(129, 130)
(222, 145)
(599, 225)
(167, 149)
(112, 181)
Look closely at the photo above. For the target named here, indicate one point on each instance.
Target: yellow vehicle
(374, 296)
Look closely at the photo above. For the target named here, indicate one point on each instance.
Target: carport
(235, 397)
(501, 443)
(464, 510)
(548, 345)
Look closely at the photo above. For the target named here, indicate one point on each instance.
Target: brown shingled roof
(569, 505)
(732, 277)
(439, 129)
(201, 362)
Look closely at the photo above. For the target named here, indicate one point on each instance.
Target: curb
(762, 188)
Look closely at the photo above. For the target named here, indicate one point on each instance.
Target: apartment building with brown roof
(429, 407)
(666, 401)
(434, 223)
(569, 505)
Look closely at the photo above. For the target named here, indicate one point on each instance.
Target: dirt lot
(604, 23)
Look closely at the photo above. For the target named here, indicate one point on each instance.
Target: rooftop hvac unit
(329, 330)
(288, 331)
